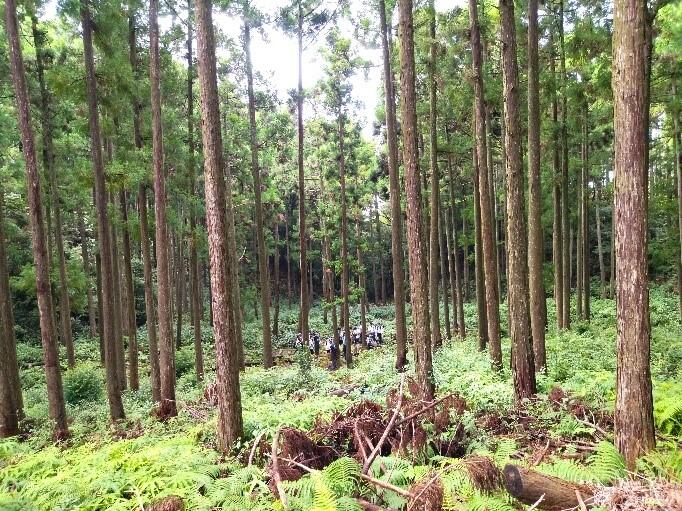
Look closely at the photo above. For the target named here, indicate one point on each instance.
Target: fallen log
(549, 493)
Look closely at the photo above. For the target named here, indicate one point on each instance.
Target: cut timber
(530, 486)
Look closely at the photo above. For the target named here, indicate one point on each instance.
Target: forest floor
(449, 456)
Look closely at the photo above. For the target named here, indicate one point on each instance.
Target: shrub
(184, 361)
(84, 383)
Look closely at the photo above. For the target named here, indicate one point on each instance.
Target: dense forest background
(172, 216)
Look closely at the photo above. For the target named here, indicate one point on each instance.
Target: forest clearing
(294, 255)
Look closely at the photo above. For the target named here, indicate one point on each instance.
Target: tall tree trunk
(154, 363)
(481, 175)
(55, 393)
(179, 283)
(600, 250)
(584, 213)
(345, 281)
(362, 284)
(11, 401)
(227, 368)
(303, 266)
(260, 232)
(166, 351)
(465, 257)
(150, 311)
(117, 305)
(133, 376)
(106, 319)
(634, 420)
(478, 264)
(415, 235)
(523, 368)
(276, 279)
(197, 302)
(557, 237)
(49, 163)
(381, 298)
(288, 257)
(394, 187)
(678, 166)
(434, 235)
(85, 254)
(444, 272)
(536, 244)
(565, 220)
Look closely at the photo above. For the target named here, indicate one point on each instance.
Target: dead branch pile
(640, 495)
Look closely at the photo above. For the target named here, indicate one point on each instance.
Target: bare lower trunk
(227, 368)
(565, 220)
(85, 254)
(634, 421)
(394, 186)
(134, 379)
(600, 250)
(557, 237)
(345, 280)
(55, 393)
(478, 262)
(444, 272)
(481, 174)
(523, 368)
(276, 278)
(11, 401)
(166, 351)
(179, 289)
(434, 235)
(415, 235)
(117, 305)
(536, 244)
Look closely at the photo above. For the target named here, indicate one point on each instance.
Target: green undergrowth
(129, 465)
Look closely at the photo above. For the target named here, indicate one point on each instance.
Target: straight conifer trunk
(633, 420)
(482, 314)
(345, 279)
(11, 401)
(557, 226)
(434, 217)
(415, 227)
(55, 393)
(489, 262)
(196, 301)
(227, 365)
(536, 244)
(264, 278)
(65, 332)
(394, 187)
(85, 254)
(106, 318)
(523, 368)
(303, 266)
(166, 351)
(133, 370)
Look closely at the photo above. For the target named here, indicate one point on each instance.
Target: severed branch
(275, 471)
(389, 427)
(253, 449)
(423, 410)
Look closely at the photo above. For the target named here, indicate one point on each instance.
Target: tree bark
(415, 235)
(117, 305)
(106, 319)
(65, 332)
(258, 207)
(85, 254)
(197, 303)
(536, 244)
(523, 368)
(565, 220)
(600, 250)
(678, 167)
(478, 264)
(227, 367)
(11, 400)
(303, 266)
(547, 492)
(166, 351)
(133, 371)
(394, 188)
(634, 423)
(55, 393)
(557, 237)
(481, 175)
(584, 213)
(276, 279)
(444, 272)
(345, 282)
(434, 235)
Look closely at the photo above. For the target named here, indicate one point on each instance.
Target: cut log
(549, 493)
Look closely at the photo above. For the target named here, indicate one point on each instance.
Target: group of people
(374, 338)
